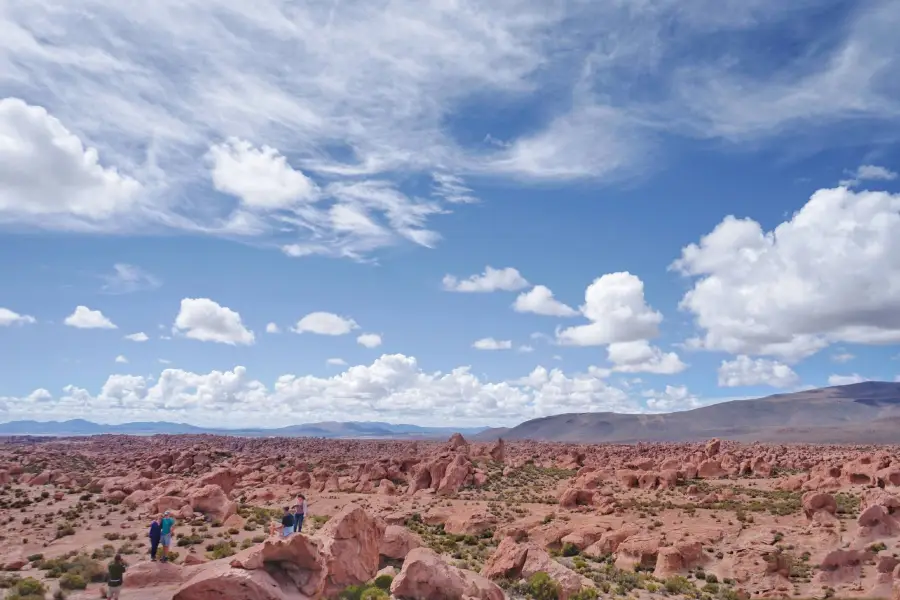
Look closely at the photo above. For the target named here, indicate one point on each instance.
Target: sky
(443, 212)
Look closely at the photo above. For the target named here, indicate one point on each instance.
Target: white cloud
(525, 348)
(127, 278)
(9, 317)
(869, 173)
(272, 328)
(393, 387)
(140, 336)
(205, 320)
(121, 359)
(673, 398)
(156, 88)
(615, 305)
(829, 274)
(492, 280)
(369, 340)
(85, 318)
(164, 361)
(492, 344)
(842, 357)
(745, 371)
(325, 323)
(49, 180)
(260, 177)
(540, 301)
(336, 362)
(640, 357)
(846, 379)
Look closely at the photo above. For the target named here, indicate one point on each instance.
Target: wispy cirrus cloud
(314, 141)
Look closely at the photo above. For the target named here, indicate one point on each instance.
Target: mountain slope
(866, 412)
(78, 427)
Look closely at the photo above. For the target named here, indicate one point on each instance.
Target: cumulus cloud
(140, 336)
(325, 323)
(491, 344)
(869, 173)
(744, 370)
(829, 274)
(846, 379)
(615, 306)
(273, 328)
(336, 362)
(260, 177)
(390, 386)
(640, 357)
(492, 280)
(540, 301)
(673, 398)
(369, 340)
(85, 318)
(9, 317)
(206, 320)
(842, 357)
(49, 179)
(121, 359)
(127, 278)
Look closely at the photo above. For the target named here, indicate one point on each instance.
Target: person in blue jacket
(155, 536)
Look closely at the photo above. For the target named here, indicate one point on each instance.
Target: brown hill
(866, 412)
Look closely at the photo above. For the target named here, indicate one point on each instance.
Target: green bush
(374, 593)
(587, 593)
(570, 549)
(220, 550)
(352, 592)
(383, 582)
(711, 578)
(678, 585)
(35, 557)
(542, 587)
(28, 588)
(72, 581)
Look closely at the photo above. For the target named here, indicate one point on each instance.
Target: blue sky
(275, 199)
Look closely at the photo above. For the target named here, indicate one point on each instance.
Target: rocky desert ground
(421, 520)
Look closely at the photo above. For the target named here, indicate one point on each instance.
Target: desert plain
(714, 520)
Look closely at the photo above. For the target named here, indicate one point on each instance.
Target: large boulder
(513, 560)
(813, 502)
(150, 574)
(219, 581)
(351, 546)
(224, 478)
(212, 501)
(426, 577)
(398, 541)
(297, 559)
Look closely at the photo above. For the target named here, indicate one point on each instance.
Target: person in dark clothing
(116, 575)
(155, 536)
(287, 522)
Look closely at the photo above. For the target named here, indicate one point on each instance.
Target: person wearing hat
(167, 529)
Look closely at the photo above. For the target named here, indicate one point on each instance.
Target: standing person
(301, 512)
(155, 536)
(116, 577)
(167, 528)
(287, 522)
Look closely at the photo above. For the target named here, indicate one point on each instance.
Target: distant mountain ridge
(325, 429)
(867, 412)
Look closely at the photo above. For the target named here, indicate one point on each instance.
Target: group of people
(292, 520)
(161, 530)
